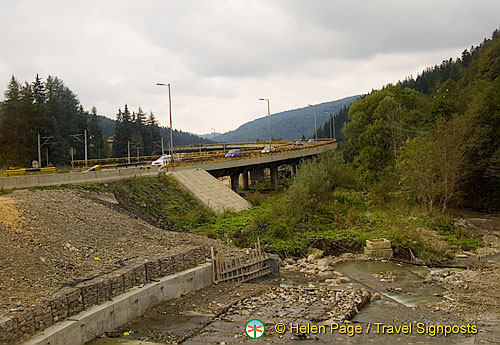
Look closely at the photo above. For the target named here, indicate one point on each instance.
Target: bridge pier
(256, 174)
(235, 182)
(274, 178)
(244, 178)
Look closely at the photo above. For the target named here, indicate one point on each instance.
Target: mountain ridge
(287, 125)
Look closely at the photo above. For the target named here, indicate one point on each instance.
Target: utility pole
(331, 125)
(170, 114)
(128, 151)
(136, 145)
(39, 153)
(46, 142)
(171, 129)
(315, 122)
(85, 136)
(334, 135)
(84, 142)
(268, 119)
(162, 149)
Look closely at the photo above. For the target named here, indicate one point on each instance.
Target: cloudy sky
(220, 56)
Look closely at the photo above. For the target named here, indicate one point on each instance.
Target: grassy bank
(165, 200)
(348, 219)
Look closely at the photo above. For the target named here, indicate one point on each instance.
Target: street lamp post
(170, 114)
(268, 119)
(315, 122)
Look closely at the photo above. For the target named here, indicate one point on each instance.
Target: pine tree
(11, 124)
(96, 140)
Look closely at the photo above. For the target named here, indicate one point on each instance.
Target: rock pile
(314, 264)
(308, 302)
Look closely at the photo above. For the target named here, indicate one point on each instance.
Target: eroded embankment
(53, 237)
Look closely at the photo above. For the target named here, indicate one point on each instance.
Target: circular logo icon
(254, 329)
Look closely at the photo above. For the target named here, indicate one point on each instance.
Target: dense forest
(142, 134)
(435, 138)
(333, 127)
(49, 109)
(52, 111)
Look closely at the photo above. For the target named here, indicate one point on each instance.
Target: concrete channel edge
(89, 324)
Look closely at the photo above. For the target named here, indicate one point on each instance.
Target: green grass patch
(164, 199)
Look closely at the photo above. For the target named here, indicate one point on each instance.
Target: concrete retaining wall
(86, 326)
(30, 181)
(71, 301)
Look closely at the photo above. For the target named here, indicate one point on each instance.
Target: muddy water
(398, 282)
(492, 258)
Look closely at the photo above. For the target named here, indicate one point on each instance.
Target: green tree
(95, 140)
(433, 167)
(12, 123)
(123, 133)
(379, 124)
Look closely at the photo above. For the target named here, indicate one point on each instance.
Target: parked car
(298, 142)
(233, 153)
(267, 149)
(311, 142)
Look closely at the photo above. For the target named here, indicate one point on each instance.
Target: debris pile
(314, 264)
(387, 276)
(309, 302)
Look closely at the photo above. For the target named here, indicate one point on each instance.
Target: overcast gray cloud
(221, 56)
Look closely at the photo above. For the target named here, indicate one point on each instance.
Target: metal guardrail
(281, 147)
(28, 171)
(187, 158)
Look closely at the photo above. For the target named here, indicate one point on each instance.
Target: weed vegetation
(164, 199)
(326, 204)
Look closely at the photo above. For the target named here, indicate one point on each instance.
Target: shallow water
(408, 279)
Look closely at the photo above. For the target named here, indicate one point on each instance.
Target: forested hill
(180, 138)
(50, 109)
(481, 62)
(287, 125)
(435, 138)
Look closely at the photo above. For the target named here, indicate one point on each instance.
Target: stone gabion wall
(70, 301)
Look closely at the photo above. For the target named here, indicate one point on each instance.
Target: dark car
(233, 153)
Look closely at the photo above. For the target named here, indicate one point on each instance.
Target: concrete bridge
(255, 163)
(191, 173)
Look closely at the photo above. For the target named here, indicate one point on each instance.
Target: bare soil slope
(49, 238)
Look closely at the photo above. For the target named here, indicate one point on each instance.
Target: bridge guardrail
(24, 171)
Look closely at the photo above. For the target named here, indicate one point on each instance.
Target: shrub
(316, 179)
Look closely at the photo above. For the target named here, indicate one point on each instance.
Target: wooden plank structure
(239, 265)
